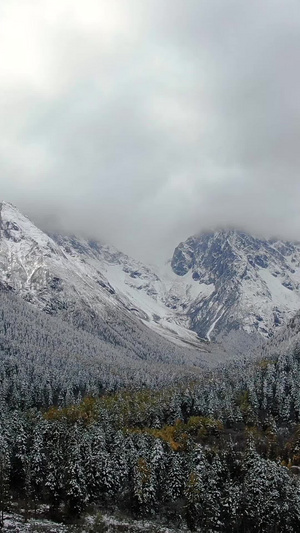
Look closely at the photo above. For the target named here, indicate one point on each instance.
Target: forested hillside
(46, 361)
(220, 453)
(97, 415)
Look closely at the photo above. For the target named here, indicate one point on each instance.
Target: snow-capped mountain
(149, 293)
(255, 284)
(93, 286)
(216, 283)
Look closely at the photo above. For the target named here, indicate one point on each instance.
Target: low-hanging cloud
(140, 123)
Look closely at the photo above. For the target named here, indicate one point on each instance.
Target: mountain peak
(10, 212)
(256, 281)
(10, 208)
(15, 226)
(4, 202)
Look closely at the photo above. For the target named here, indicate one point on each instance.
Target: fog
(140, 123)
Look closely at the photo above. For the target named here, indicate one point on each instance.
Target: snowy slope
(257, 282)
(32, 263)
(216, 283)
(59, 274)
(139, 288)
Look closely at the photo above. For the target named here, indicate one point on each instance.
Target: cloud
(141, 123)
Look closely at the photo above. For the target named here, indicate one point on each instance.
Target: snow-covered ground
(98, 523)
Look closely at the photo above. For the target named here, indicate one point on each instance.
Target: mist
(142, 123)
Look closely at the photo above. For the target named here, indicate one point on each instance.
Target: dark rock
(135, 274)
(261, 261)
(56, 284)
(288, 285)
(180, 263)
(5, 287)
(107, 286)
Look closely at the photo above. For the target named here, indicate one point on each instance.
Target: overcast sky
(141, 122)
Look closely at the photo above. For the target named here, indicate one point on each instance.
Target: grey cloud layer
(144, 122)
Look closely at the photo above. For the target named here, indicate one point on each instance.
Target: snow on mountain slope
(88, 282)
(257, 282)
(32, 263)
(138, 287)
(216, 283)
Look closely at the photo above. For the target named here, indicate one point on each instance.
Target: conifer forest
(219, 453)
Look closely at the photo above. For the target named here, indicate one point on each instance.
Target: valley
(225, 286)
(133, 397)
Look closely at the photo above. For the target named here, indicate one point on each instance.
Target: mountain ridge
(217, 285)
(256, 282)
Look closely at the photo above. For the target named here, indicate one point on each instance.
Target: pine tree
(4, 478)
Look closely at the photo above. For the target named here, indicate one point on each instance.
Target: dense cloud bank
(143, 122)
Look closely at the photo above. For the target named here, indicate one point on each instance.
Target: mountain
(56, 272)
(148, 293)
(65, 278)
(254, 283)
(218, 284)
(224, 286)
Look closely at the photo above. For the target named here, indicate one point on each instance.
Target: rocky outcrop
(256, 282)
